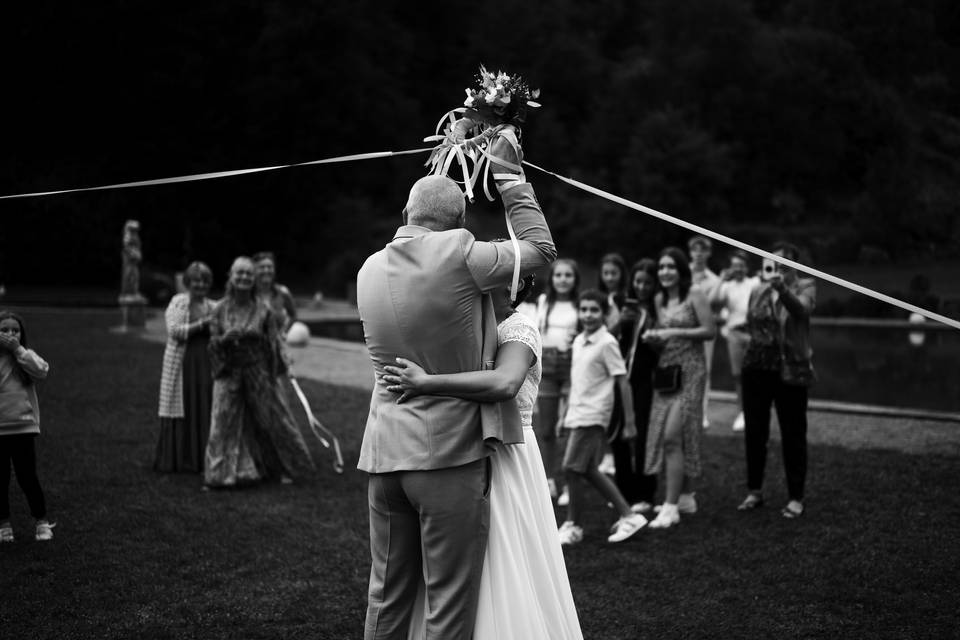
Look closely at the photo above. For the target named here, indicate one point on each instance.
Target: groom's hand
(502, 148)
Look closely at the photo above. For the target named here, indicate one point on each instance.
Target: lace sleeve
(519, 328)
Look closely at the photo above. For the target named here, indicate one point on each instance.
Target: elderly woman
(277, 296)
(252, 432)
(777, 370)
(185, 382)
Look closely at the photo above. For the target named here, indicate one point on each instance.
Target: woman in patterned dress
(684, 322)
(185, 382)
(252, 432)
(524, 590)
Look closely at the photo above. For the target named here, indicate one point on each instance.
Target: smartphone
(768, 269)
(631, 303)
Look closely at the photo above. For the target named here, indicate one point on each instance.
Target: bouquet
(488, 126)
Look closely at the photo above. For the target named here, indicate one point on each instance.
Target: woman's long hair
(23, 375)
(649, 267)
(683, 269)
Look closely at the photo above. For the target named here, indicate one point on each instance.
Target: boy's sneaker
(686, 504)
(6, 533)
(570, 533)
(626, 527)
(45, 530)
(564, 498)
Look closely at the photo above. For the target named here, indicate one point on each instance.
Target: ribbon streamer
(218, 174)
(750, 248)
(575, 183)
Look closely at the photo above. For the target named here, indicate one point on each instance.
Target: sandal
(793, 510)
(751, 502)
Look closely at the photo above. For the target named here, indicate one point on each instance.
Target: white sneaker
(641, 507)
(44, 530)
(564, 498)
(739, 424)
(667, 517)
(607, 465)
(6, 534)
(686, 503)
(626, 527)
(570, 533)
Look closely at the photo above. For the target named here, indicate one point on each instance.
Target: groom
(421, 298)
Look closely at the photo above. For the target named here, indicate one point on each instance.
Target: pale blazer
(421, 297)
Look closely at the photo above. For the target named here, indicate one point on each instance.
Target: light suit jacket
(421, 298)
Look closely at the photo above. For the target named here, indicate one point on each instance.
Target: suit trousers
(429, 526)
(761, 389)
(19, 450)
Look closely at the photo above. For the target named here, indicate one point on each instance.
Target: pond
(877, 366)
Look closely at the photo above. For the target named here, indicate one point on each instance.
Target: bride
(524, 590)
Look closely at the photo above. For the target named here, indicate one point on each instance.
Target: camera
(768, 270)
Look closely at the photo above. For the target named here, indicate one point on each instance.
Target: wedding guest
(597, 369)
(777, 370)
(252, 432)
(700, 249)
(613, 282)
(186, 384)
(557, 321)
(274, 294)
(20, 369)
(639, 315)
(731, 296)
(684, 321)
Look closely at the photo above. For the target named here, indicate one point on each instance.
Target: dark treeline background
(837, 123)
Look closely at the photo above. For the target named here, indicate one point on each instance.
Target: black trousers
(20, 450)
(761, 389)
(629, 457)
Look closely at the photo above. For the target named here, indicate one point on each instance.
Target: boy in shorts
(596, 367)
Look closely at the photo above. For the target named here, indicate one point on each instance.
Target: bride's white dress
(524, 590)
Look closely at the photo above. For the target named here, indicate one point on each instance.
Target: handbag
(667, 379)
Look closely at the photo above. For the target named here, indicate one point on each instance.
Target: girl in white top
(20, 368)
(524, 589)
(557, 320)
(731, 296)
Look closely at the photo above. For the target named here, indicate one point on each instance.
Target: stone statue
(130, 283)
(132, 303)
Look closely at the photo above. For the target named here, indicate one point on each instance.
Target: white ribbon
(906, 306)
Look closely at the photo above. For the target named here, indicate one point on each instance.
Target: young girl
(613, 282)
(557, 321)
(20, 423)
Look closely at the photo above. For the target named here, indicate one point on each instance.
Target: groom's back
(418, 300)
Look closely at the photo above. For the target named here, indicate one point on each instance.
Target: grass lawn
(143, 555)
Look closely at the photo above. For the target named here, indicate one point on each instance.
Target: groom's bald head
(435, 202)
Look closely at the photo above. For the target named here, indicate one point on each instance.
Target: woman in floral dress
(684, 321)
(252, 432)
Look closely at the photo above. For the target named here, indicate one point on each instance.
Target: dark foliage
(791, 114)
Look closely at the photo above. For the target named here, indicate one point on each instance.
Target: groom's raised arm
(491, 263)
